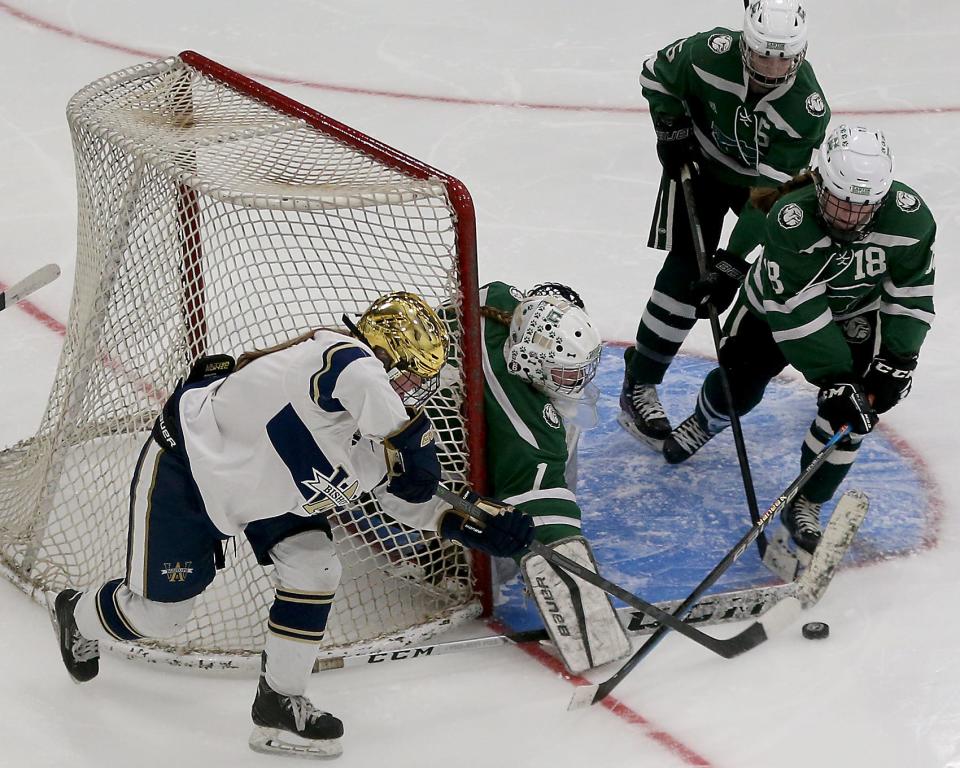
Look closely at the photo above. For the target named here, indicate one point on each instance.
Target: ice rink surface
(536, 107)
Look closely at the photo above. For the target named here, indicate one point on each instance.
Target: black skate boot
(80, 656)
(801, 519)
(641, 413)
(687, 439)
(291, 725)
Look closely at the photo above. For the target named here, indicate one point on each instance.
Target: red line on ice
(51, 26)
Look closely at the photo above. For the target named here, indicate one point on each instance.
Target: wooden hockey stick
(728, 648)
(28, 285)
(686, 182)
(591, 694)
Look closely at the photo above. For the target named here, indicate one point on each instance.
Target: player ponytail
(497, 315)
(249, 357)
(763, 198)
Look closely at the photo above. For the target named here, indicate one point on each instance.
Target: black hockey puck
(816, 630)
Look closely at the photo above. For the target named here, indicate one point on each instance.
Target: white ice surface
(562, 193)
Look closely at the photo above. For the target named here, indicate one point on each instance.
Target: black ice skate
(80, 656)
(802, 522)
(292, 726)
(641, 413)
(687, 439)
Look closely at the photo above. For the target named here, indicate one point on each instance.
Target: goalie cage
(216, 215)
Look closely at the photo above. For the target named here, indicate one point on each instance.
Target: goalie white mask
(774, 40)
(553, 345)
(854, 173)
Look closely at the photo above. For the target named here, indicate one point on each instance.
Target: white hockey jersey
(299, 430)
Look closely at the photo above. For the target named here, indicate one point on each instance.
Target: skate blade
(274, 741)
(627, 423)
(783, 557)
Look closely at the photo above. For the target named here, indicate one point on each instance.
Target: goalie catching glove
(412, 463)
(505, 532)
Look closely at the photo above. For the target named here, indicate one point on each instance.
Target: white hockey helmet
(553, 345)
(774, 40)
(854, 172)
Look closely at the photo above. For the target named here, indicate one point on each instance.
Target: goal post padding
(217, 215)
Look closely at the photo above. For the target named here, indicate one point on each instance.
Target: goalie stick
(727, 648)
(29, 284)
(591, 694)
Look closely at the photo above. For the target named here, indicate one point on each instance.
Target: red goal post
(217, 215)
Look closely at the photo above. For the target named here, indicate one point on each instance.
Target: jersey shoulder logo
(790, 216)
(551, 416)
(815, 105)
(720, 43)
(906, 202)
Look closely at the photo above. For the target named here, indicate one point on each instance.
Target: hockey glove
(723, 279)
(845, 402)
(676, 145)
(412, 462)
(505, 532)
(889, 379)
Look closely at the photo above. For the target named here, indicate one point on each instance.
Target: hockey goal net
(216, 215)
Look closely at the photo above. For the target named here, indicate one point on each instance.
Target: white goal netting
(218, 216)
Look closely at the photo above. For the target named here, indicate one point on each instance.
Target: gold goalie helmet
(403, 328)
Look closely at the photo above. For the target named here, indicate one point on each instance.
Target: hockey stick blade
(606, 687)
(29, 284)
(727, 648)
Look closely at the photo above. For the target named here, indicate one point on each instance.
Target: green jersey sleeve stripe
(875, 304)
(647, 75)
(737, 89)
(898, 309)
(823, 242)
(555, 520)
(802, 331)
(911, 292)
(772, 173)
(542, 493)
(879, 238)
(818, 289)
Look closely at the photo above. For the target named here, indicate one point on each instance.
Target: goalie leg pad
(579, 617)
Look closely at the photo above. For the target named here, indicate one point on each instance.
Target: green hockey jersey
(807, 285)
(755, 140)
(529, 448)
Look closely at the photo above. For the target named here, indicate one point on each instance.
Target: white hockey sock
(289, 664)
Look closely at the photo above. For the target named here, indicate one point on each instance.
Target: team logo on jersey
(330, 492)
(906, 202)
(720, 43)
(856, 330)
(815, 105)
(175, 572)
(551, 416)
(790, 216)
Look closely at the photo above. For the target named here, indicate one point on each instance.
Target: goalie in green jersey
(745, 108)
(843, 292)
(540, 355)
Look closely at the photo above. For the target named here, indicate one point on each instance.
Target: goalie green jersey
(811, 289)
(530, 450)
(754, 140)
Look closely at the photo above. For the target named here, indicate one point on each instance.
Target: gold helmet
(404, 326)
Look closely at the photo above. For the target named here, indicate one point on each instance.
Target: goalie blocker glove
(506, 532)
(675, 143)
(889, 379)
(723, 279)
(412, 463)
(845, 402)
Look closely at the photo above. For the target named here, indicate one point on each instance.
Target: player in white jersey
(267, 450)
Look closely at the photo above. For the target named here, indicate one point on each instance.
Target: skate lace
(806, 515)
(302, 710)
(83, 649)
(690, 435)
(643, 398)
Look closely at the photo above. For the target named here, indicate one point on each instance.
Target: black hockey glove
(505, 532)
(412, 462)
(724, 277)
(889, 379)
(676, 145)
(845, 402)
